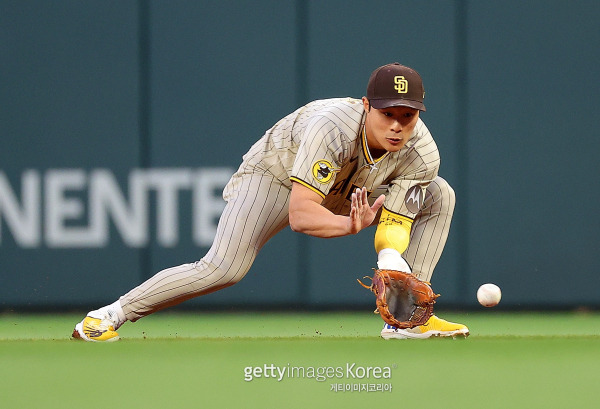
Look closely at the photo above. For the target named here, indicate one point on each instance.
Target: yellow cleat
(95, 330)
(434, 327)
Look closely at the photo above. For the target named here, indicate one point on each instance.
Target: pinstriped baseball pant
(257, 208)
(430, 229)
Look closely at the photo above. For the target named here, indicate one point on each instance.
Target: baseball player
(331, 168)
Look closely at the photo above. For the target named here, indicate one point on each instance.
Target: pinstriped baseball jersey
(322, 145)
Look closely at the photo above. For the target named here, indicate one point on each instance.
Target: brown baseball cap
(394, 85)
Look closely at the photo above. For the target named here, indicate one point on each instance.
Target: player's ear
(366, 104)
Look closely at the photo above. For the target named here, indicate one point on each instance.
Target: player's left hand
(361, 213)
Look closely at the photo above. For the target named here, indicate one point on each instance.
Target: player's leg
(257, 208)
(428, 238)
(430, 229)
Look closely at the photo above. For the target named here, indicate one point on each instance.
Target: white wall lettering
(74, 208)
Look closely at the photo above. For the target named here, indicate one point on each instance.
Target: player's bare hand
(361, 213)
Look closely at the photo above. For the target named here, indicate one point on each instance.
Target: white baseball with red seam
(489, 295)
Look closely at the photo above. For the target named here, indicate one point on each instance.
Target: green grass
(511, 360)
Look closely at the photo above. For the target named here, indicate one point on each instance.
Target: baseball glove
(403, 300)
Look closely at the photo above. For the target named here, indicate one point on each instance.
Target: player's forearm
(315, 220)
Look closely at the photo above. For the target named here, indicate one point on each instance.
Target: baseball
(489, 295)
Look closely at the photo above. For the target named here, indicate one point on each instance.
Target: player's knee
(449, 197)
(443, 195)
(222, 274)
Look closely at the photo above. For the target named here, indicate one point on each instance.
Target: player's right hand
(361, 213)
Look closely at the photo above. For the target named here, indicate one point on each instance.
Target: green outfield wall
(121, 122)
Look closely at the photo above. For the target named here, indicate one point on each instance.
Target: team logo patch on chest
(323, 171)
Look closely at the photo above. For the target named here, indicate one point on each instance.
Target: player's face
(389, 128)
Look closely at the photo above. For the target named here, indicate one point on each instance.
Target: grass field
(176, 360)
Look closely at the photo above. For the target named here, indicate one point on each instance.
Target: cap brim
(388, 103)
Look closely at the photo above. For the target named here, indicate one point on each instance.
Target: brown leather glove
(403, 300)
